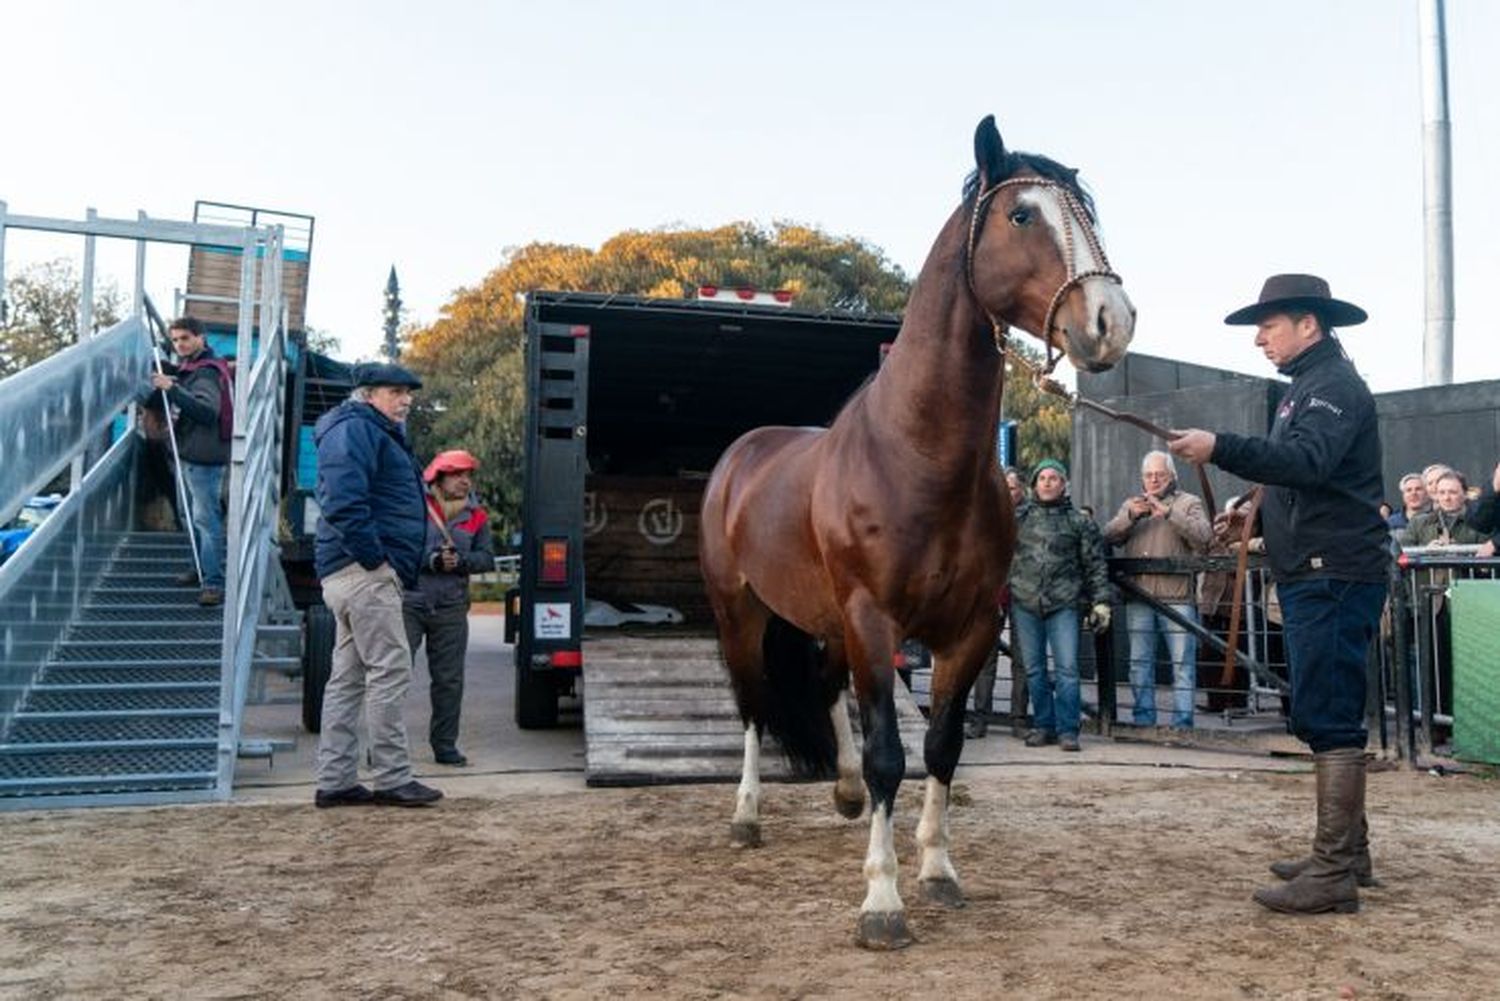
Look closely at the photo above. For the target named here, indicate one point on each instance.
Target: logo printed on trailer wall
(661, 521)
(595, 514)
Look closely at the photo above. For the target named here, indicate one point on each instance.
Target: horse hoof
(942, 891)
(849, 807)
(744, 834)
(883, 930)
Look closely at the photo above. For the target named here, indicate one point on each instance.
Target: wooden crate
(216, 271)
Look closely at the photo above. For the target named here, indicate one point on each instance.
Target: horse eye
(1020, 217)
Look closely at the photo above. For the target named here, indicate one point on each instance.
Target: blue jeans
(204, 484)
(1054, 702)
(1145, 623)
(1328, 626)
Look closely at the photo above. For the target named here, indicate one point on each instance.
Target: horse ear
(989, 151)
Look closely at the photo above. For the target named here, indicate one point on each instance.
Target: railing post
(1401, 638)
(1422, 744)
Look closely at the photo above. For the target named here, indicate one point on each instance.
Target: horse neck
(940, 387)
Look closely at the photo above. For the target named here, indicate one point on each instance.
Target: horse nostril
(1103, 327)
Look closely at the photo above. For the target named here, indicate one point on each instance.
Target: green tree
(41, 313)
(1045, 423)
(470, 358)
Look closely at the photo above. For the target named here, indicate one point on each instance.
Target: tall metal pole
(1437, 198)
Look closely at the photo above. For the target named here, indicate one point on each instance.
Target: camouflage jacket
(1059, 560)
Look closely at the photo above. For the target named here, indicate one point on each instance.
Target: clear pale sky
(1223, 141)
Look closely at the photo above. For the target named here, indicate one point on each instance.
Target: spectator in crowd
(1058, 569)
(201, 391)
(459, 543)
(1446, 524)
(1161, 521)
(368, 548)
(984, 685)
(1430, 478)
(1484, 517)
(1328, 551)
(1386, 511)
(1413, 501)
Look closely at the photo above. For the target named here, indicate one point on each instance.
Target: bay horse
(823, 549)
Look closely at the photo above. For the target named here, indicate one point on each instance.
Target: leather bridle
(1073, 211)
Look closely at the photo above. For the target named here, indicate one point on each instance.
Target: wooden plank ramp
(660, 710)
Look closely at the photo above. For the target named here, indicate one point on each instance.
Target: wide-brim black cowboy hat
(1298, 293)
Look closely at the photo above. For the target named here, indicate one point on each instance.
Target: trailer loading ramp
(661, 711)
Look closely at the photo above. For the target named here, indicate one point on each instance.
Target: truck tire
(536, 699)
(317, 663)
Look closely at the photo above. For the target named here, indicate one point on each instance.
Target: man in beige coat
(1161, 521)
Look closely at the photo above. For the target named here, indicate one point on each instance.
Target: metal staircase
(115, 686)
(128, 700)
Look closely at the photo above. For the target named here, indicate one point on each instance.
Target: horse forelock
(1019, 164)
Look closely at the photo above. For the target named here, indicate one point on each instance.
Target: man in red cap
(459, 543)
(1329, 552)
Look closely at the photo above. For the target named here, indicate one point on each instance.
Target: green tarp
(1476, 670)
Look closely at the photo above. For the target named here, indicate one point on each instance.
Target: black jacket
(203, 396)
(369, 492)
(1321, 466)
(1483, 516)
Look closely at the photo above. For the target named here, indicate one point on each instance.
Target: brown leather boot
(1327, 883)
(1364, 873)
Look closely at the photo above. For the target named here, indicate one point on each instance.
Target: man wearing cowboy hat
(1328, 550)
(369, 545)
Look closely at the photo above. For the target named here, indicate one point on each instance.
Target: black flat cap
(373, 373)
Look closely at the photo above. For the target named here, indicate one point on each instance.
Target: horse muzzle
(1099, 327)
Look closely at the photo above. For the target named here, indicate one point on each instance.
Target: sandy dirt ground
(1083, 881)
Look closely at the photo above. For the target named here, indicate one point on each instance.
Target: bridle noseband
(1073, 208)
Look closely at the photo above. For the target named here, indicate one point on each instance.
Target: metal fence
(1410, 666)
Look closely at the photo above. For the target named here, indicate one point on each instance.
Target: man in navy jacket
(369, 543)
(1329, 551)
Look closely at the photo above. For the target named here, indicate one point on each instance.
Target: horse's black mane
(1015, 162)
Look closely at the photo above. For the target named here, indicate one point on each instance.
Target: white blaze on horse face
(1109, 316)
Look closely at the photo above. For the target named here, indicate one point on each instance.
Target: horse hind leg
(849, 789)
(742, 624)
(744, 828)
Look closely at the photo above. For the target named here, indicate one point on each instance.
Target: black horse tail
(796, 699)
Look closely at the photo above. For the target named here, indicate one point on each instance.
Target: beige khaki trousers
(371, 671)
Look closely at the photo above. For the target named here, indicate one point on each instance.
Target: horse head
(1034, 259)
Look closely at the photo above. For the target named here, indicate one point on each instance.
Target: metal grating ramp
(660, 711)
(126, 707)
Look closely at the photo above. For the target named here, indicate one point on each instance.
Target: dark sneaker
(188, 578)
(355, 795)
(1068, 742)
(450, 756)
(413, 793)
(210, 596)
(1040, 738)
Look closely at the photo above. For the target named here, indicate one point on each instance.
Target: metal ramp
(660, 711)
(128, 700)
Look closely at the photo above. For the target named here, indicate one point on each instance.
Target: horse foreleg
(952, 675)
(849, 790)
(744, 829)
(882, 916)
(937, 878)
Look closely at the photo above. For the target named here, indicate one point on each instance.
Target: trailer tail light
(567, 658)
(554, 562)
